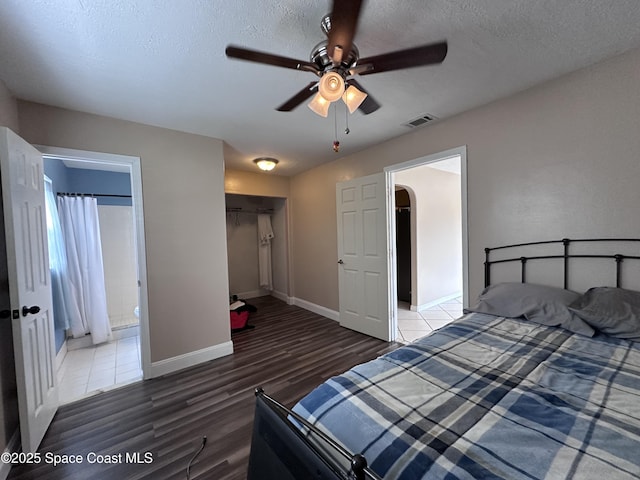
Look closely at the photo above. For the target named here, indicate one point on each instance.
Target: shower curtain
(65, 311)
(81, 231)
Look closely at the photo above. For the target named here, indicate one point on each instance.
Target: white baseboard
(253, 293)
(282, 296)
(437, 301)
(116, 334)
(126, 332)
(320, 310)
(12, 447)
(190, 359)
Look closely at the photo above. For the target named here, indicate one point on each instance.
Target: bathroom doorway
(85, 368)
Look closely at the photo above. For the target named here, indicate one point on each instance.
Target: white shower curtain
(81, 231)
(65, 311)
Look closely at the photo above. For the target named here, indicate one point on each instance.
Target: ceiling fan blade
(249, 55)
(344, 21)
(369, 105)
(411, 57)
(358, 69)
(299, 97)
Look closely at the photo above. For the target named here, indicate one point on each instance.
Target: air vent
(423, 120)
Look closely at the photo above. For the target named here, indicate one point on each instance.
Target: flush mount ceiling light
(266, 163)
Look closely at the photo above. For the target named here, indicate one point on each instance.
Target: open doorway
(403, 245)
(428, 254)
(257, 247)
(85, 365)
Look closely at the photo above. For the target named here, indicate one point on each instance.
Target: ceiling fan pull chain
(346, 121)
(336, 143)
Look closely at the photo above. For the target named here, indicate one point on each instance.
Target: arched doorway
(403, 244)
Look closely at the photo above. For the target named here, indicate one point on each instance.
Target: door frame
(391, 221)
(138, 211)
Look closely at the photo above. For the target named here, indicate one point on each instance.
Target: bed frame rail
(565, 256)
(285, 446)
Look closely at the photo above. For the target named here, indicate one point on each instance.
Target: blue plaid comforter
(490, 397)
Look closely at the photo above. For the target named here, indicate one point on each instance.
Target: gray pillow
(537, 303)
(612, 311)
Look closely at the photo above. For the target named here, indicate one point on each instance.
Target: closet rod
(257, 211)
(62, 194)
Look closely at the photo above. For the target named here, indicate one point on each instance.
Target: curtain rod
(63, 194)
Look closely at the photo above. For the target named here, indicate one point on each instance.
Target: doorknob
(340, 262)
(26, 310)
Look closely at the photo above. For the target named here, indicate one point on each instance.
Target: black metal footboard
(281, 450)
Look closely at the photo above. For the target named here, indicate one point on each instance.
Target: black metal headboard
(565, 256)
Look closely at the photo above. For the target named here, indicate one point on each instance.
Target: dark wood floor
(288, 353)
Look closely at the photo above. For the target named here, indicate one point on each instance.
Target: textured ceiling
(162, 62)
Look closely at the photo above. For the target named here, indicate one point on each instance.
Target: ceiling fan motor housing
(320, 57)
(325, 24)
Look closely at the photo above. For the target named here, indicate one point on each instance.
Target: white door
(363, 256)
(29, 286)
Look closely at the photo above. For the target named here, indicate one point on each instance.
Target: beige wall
(436, 245)
(559, 160)
(183, 194)
(242, 247)
(261, 184)
(8, 109)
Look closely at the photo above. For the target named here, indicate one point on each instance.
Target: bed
(534, 381)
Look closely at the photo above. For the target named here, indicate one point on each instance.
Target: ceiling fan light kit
(353, 98)
(331, 86)
(330, 89)
(319, 105)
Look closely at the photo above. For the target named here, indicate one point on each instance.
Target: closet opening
(257, 247)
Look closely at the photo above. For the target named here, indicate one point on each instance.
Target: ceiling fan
(336, 61)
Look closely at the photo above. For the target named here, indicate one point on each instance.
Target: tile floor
(413, 325)
(90, 370)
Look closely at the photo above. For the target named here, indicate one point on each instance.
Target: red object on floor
(239, 319)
